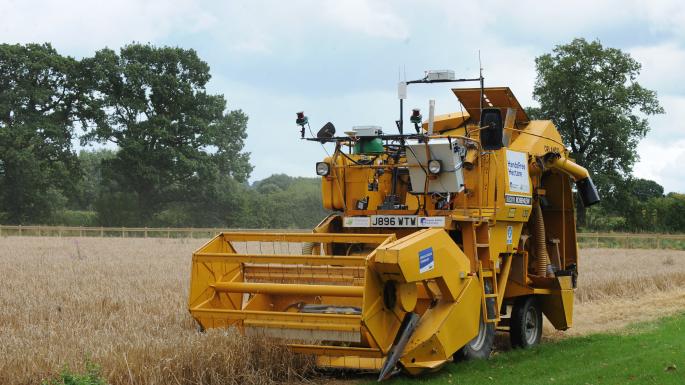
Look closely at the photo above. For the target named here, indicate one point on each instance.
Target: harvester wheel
(526, 322)
(480, 347)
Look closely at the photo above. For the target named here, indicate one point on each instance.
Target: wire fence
(585, 240)
(123, 232)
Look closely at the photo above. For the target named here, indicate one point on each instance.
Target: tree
(645, 189)
(671, 211)
(282, 201)
(89, 186)
(591, 94)
(173, 138)
(42, 101)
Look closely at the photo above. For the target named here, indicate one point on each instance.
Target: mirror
(491, 129)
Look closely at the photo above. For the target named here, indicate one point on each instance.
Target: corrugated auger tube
(542, 262)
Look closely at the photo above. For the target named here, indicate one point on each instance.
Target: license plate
(394, 221)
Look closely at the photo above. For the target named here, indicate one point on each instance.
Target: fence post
(168, 232)
(19, 229)
(122, 232)
(102, 232)
(597, 240)
(145, 232)
(80, 231)
(658, 242)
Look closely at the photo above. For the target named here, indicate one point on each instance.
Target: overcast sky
(340, 60)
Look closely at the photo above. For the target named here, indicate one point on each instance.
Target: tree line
(169, 153)
(176, 155)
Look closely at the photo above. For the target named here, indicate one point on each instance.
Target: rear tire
(526, 322)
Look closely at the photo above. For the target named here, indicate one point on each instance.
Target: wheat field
(121, 303)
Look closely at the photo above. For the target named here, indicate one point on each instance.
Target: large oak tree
(592, 95)
(43, 99)
(174, 139)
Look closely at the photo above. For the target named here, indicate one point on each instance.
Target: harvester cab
(437, 239)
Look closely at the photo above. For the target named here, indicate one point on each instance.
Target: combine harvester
(438, 239)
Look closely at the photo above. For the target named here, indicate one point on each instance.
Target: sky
(340, 61)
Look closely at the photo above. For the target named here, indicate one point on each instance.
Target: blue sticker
(426, 262)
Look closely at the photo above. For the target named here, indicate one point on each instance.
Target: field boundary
(125, 232)
(586, 239)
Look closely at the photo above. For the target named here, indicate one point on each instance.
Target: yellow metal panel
(336, 350)
(452, 121)
(444, 329)
(349, 362)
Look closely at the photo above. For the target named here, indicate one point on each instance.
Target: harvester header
(437, 238)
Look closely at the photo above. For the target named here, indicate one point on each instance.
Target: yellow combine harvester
(438, 239)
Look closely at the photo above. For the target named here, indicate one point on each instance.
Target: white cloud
(83, 26)
(260, 27)
(662, 66)
(665, 16)
(373, 18)
(670, 125)
(662, 162)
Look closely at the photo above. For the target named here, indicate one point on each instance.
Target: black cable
(359, 163)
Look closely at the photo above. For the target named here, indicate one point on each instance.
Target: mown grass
(647, 353)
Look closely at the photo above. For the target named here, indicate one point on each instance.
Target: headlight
(434, 166)
(322, 168)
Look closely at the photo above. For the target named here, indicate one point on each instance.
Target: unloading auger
(437, 239)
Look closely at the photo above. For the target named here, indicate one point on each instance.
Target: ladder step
(491, 296)
(483, 245)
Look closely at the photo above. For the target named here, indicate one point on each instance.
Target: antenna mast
(482, 85)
